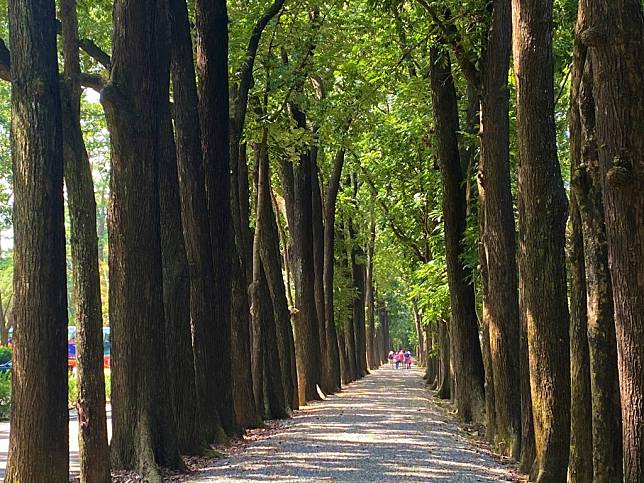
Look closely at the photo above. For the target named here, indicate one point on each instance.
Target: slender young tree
(92, 435)
(580, 467)
(543, 216)
(38, 442)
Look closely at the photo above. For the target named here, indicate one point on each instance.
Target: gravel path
(350, 437)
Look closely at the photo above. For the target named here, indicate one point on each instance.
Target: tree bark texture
(212, 67)
(195, 219)
(580, 467)
(349, 327)
(92, 435)
(615, 39)
(306, 320)
(327, 378)
(262, 310)
(277, 406)
(372, 361)
(144, 433)
(464, 337)
(542, 213)
(271, 263)
(247, 414)
(333, 338)
(359, 269)
(528, 445)
(445, 372)
(176, 300)
(501, 309)
(604, 379)
(38, 441)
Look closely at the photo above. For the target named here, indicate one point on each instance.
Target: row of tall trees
(321, 183)
(197, 301)
(547, 372)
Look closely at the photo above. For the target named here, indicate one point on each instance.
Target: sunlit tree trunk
(501, 310)
(615, 40)
(543, 215)
(464, 337)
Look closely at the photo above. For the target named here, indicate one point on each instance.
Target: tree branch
(92, 81)
(246, 72)
(5, 62)
(400, 234)
(95, 52)
(451, 36)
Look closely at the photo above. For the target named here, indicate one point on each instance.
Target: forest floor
(385, 427)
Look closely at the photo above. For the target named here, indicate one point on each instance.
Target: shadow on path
(382, 428)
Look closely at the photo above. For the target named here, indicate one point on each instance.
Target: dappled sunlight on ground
(382, 428)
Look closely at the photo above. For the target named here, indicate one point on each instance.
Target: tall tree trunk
(306, 320)
(270, 255)
(604, 379)
(372, 361)
(464, 337)
(445, 372)
(38, 441)
(257, 306)
(195, 219)
(327, 379)
(528, 445)
(212, 63)
(543, 216)
(615, 37)
(501, 304)
(387, 332)
(176, 300)
(333, 338)
(490, 409)
(419, 333)
(144, 433)
(247, 378)
(580, 467)
(276, 402)
(349, 327)
(358, 261)
(92, 435)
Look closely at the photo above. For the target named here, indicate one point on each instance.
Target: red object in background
(71, 362)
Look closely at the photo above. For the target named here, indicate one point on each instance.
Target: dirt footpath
(384, 427)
